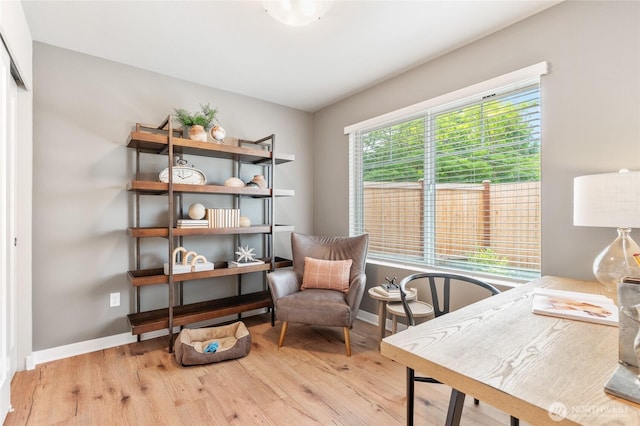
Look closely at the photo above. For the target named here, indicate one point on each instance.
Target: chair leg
(410, 395)
(347, 340)
(282, 333)
(394, 324)
(456, 402)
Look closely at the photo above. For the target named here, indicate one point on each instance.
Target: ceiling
(237, 47)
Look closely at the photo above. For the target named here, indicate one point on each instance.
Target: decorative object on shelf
(198, 264)
(259, 181)
(234, 182)
(218, 133)
(197, 133)
(197, 211)
(223, 218)
(198, 123)
(245, 222)
(245, 258)
(245, 254)
(252, 184)
(182, 173)
(610, 200)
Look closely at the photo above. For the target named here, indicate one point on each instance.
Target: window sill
(502, 282)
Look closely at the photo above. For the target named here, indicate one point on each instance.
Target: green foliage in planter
(205, 117)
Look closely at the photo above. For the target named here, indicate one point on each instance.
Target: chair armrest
(356, 291)
(282, 282)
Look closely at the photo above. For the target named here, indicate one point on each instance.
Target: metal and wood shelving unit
(164, 140)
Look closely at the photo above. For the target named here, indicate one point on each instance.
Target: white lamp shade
(607, 200)
(295, 12)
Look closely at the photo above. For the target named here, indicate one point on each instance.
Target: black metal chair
(456, 400)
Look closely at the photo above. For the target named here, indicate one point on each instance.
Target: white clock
(184, 174)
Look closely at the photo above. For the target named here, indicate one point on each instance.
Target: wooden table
(521, 363)
(382, 308)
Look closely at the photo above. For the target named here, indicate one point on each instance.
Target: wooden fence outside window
(504, 218)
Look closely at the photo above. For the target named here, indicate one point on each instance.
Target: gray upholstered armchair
(315, 298)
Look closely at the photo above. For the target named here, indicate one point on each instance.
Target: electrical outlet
(114, 300)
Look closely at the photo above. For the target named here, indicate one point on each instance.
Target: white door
(8, 282)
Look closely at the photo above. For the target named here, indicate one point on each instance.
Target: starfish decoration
(245, 254)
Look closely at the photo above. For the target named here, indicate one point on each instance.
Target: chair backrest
(329, 248)
(440, 307)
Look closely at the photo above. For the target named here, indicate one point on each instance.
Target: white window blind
(455, 186)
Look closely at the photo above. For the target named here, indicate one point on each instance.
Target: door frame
(8, 230)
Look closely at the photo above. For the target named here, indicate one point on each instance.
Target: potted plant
(198, 123)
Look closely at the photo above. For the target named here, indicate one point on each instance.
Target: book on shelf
(192, 223)
(179, 268)
(223, 218)
(234, 264)
(574, 305)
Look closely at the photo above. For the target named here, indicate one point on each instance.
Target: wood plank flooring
(308, 381)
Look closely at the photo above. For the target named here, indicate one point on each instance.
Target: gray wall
(84, 109)
(591, 117)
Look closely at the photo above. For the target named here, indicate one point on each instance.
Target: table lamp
(610, 200)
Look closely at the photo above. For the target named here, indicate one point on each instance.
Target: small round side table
(418, 309)
(382, 308)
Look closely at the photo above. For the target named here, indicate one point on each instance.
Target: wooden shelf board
(144, 322)
(161, 188)
(157, 143)
(156, 276)
(146, 232)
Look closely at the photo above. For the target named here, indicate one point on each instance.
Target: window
(453, 185)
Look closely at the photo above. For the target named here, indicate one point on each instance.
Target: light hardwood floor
(308, 381)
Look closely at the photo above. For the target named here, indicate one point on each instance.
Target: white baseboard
(368, 317)
(373, 319)
(66, 351)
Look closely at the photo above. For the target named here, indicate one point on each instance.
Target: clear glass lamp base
(616, 260)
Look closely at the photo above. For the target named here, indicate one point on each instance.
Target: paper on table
(575, 305)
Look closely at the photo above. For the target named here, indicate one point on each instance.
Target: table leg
(456, 402)
(382, 319)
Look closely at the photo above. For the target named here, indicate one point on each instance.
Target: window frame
(429, 109)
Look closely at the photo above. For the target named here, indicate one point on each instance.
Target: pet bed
(213, 344)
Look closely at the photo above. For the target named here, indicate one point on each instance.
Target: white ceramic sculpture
(196, 211)
(235, 182)
(245, 222)
(218, 133)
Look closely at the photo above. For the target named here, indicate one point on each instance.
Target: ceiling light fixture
(295, 12)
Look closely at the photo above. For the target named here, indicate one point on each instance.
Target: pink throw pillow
(326, 274)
